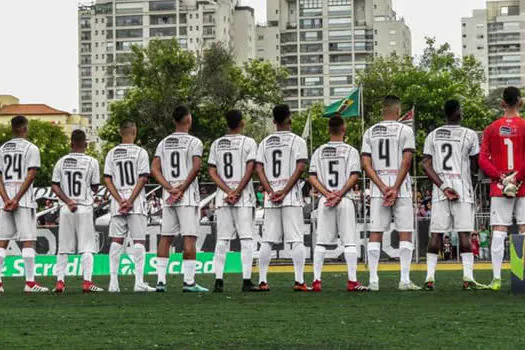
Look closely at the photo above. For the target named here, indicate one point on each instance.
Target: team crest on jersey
(329, 152)
(273, 141)
(507, 131)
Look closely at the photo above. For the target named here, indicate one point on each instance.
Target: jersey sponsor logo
(329, 152)
(10, 146)
(172, 142)
(224, 143)
(70, 163)
(120, 153)
(379, 130)
(273, 141)
(443, 134)
(507, 131)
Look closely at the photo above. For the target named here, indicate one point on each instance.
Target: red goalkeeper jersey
(503, 152)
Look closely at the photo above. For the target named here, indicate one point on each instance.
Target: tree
(51, 141)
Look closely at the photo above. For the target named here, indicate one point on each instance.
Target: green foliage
(51, 141)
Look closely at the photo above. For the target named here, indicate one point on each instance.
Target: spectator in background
(484, 243)
(422, 212)
(447, 248)
(429, 209)
(427, 198)
(474, 245)
(358, 198)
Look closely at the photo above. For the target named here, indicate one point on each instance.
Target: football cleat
(301, 287)
(143, 288)
(33, 287)
(90, 287)
(60, 287)
(219, 286)
(473, 285)
(193, 288)
(113, 287)
(316, 286)
(248, 286)
(408, 286)
(161, 287)
(1, 287)
(354, 286)
(264, 287)
(429, 286)
(495, 285)
(373, 286)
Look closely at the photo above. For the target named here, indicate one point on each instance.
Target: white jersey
(334, 163)
(176, 153)
(230, 155)
(125, 164)
(451, 147)
(17, 157)
(385, 143)
(75, 174)
(279, 154)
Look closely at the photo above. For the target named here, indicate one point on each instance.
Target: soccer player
(126, 173)
(176, 166)
(503, 154)
(19, 164)
(231, 166)
(450, 153)
(334, 170)
(75, 178)
(281, 160)
(387, 153)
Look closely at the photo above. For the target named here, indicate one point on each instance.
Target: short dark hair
(335, 125)
(511, 96)
(78, 137)
(452, 107)
(280, 113)
(127, 124)
(180, 112)
(390, 101)
(233, 118)
(18, 122)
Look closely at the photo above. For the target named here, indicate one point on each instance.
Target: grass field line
(389, 267)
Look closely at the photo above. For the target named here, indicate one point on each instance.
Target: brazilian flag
(348, 107)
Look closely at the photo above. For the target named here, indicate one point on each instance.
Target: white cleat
(143, 288)
(409, 286)
(35, 289)
(373, 286)
(113, 287)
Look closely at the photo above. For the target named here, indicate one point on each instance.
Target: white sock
(115, 249)
(497, 250)
(162, 265)
(29, 263)
(220, 258)
(374, 251)
(247, 258)
(432, 260)
(351, 262)
(265, 255)
(2, 258)
(189, 267)
(405, 258)
(61, 267)
(468, 265)
(298, 257)
(87, 266)
(139, 253)
(319, 254)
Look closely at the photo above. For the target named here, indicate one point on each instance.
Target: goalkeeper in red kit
(502, 159)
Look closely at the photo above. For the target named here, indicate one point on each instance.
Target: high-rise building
(496, 37)
(325, 43)
(109, 28)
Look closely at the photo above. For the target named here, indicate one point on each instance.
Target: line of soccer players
(450, 153)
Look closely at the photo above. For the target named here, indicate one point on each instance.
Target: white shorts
(452, 216)
(19, 225)
(336, 222)
(381, 216)
(133, 226)
(285, 221)
(76, 231)
(235, 220)
(180, 221)
(502, 210)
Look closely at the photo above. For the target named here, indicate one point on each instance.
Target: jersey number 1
(510, 153)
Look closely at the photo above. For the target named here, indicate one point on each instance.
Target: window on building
(165, 5)
(393, 43)
(393, 32)
(126, 21)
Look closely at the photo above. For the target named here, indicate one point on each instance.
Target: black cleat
(248, 286)
(161, 287)
(219, 286)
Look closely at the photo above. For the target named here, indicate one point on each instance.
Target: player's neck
(234, 132)
(128, 140)
(337, 138)
(283, 128)
(453, 122)
(511, 113)
(78, 150)
(182, 128)
(390, 117)
(15, 136)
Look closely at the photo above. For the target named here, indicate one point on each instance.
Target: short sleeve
(196, 149)
(408, 141)
(314, 163)
(355, 162)
(95, 174)
(1, 163)
(251, 150)
(57, 175)
(428, 149)
(33, 158)
(212, 158)
(108, 170)
(158, 151)
(143, 163)
(260, 153)
(367, 144)
(301, 151)
(474, 146)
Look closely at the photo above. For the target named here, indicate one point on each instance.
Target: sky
(38, 42)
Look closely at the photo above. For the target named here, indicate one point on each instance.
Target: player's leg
(7, 233)
(292, 219)
(86, 234)
(25, 222)
(272, 234)
(500, 219)
(66, 245)
(440, 223)
(169, 228)
(189, 224)
(380, 218)
(404, 220)
(3, 248)
(326, 234)
(118, 229)
(138, 225)
(225, 232)
(243, 219)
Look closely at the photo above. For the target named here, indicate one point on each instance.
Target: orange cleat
(301, 287)
(90, 287)
(60, 287)
(264, 287)
(316, 286)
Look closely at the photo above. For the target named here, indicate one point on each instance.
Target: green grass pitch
(389, 319)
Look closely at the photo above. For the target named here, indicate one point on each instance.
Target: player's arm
(299, 170)
(143, 171)
(156, 172)
(366, 162)
(485, 161)
(143, 180)
(314, 181)
(30, 178)
(3, 192)
(71, 204)
(108, 180)
(406, 163)
(428, 168)
(214, 174)
(261, 174)
(194, 172)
